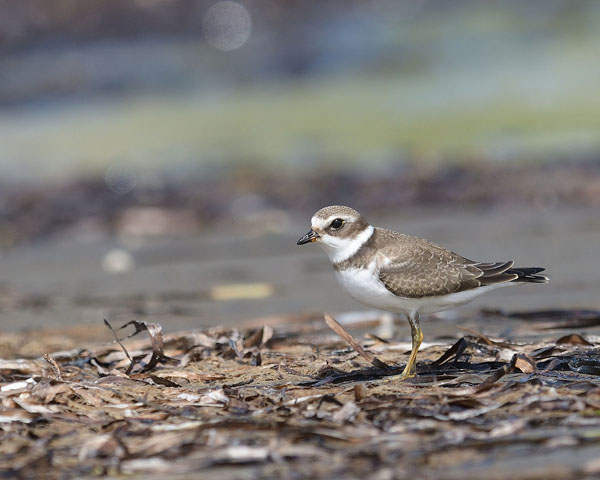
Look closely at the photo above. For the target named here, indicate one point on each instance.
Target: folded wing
(425, 271)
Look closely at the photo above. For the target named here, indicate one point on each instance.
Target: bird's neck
(341, 249)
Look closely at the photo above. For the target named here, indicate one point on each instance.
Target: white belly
(364, 286)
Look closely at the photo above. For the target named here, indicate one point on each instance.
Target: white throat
(340, 249)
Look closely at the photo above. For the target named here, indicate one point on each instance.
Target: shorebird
(404, 274)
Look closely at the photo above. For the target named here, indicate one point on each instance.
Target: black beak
(309, 237)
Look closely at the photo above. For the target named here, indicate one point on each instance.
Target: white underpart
(339, 249)
(364, 285)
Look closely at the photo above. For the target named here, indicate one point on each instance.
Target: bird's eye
(337, 224)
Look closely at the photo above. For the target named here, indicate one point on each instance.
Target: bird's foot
(410, 374)
(406, 373)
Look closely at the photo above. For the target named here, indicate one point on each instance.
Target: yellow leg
(417, 338)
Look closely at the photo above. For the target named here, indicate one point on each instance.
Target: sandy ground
(61, 282)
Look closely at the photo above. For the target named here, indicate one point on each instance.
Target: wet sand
(61, 283)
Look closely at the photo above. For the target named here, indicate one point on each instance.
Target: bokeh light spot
(121, 178)
(118, 261)
(227, 25)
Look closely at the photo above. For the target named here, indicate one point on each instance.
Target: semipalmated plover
(404, 274)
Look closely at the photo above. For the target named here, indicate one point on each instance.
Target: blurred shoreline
(129, 203)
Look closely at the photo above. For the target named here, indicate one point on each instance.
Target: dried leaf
(106, 445)
(347, 413)
(191, 376)
(573, 339)
(17, 387)
(155, 332)
(455, 351)
(255, 339)
(525, 364)
(54, 366)
(360, 392)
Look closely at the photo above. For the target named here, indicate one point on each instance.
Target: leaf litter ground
(292, 399)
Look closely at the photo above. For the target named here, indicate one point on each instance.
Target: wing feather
(417, 268)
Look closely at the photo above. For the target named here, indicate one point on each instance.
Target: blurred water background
(158, 158)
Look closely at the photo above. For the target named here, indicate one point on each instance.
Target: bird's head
(340, 231)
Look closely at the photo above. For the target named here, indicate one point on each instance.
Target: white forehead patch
(322, 223)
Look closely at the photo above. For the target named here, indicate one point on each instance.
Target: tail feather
(494, 269)
(529, 274)
(503, 272)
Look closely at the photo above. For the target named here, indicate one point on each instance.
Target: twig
(339, 330)
(131, 363)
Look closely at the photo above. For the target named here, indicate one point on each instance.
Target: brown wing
(422, 269)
